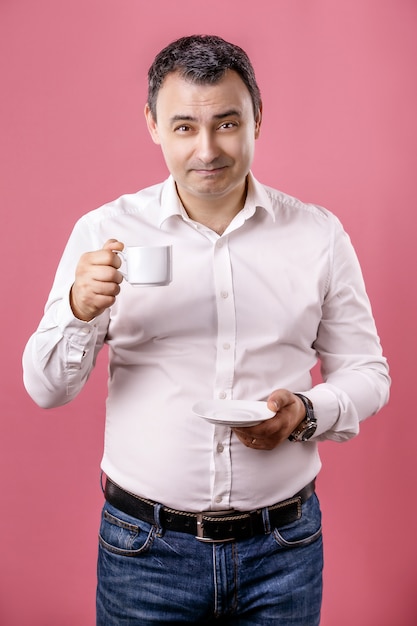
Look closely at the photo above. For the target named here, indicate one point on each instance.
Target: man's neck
(215, 213)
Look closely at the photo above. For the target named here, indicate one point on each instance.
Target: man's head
(203, 60)
(205, 112)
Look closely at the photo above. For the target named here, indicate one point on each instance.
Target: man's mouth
(209, 171)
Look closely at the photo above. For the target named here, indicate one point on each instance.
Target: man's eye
(227, 125)
(182, 129)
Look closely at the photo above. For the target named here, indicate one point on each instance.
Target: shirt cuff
(332, 422)
(72, 327)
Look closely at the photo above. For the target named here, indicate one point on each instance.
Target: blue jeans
(147, 576)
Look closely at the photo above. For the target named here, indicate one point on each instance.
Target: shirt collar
(170, 202)
(257, 197)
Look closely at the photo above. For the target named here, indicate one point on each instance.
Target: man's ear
(152, 125)
(258, 122)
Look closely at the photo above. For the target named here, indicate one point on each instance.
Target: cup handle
(123, 256)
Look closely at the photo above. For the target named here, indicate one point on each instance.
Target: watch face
(308, 432)
(306, 429)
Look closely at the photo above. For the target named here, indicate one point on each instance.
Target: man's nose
(207, 148)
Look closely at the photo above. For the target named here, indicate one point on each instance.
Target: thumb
(279, 399)
(113, 244)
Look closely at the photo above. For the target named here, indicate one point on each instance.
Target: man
(206, 521)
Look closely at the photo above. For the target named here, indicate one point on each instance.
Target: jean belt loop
(157, 519)
(266, 521)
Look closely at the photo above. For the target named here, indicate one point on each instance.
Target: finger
(248, 440)
(106, 274)
(114, 246)
(99, 258)
(259, 443)
(247, 432)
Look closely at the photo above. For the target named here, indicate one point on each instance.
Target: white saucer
(233, 412)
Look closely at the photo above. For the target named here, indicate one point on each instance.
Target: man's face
(207, 134)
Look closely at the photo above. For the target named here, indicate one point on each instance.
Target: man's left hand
(289, 413)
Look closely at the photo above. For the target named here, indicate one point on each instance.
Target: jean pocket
(124, 535)
(305, 530)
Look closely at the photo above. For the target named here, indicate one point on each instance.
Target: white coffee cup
(146, 266)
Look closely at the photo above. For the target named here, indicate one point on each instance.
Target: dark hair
(201, 59)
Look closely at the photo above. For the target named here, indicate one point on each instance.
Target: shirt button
(222, 395)
(218, 499)
(226, 346)
(220, 448)
(224, 294)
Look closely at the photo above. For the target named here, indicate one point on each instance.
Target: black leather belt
(211, 526)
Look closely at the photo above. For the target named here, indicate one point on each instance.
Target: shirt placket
(225, 368)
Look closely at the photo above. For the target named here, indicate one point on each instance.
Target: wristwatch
(308, 426)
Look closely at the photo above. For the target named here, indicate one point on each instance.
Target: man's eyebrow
(182, 118)
(218, 116)
(229, 113)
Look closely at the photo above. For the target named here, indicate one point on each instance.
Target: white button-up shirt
(247, 312)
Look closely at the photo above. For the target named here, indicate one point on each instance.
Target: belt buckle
(200, 525)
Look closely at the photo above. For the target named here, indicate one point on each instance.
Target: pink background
(340, 95)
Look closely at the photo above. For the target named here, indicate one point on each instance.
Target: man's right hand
(97, 281)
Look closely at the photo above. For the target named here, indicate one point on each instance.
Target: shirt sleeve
(355, 374)
(61, 354)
